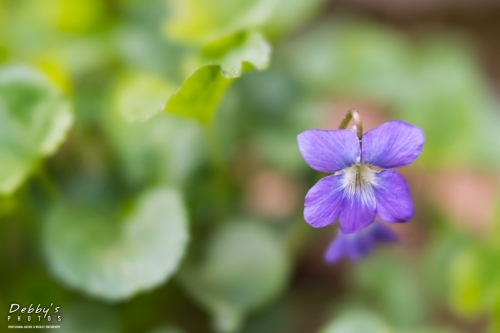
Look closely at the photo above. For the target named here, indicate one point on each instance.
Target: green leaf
(357, 58)
(139, 96)
(233, 51)
(446, 88)
(466, 296)
(245, 267)
(201, 22)
(34, 119)
(166, 150)
(473, 276)
(289, 15)
(403, 303)
(112, 257)
(199, 95)
(356, 322)
(442, 248)
(227, 58)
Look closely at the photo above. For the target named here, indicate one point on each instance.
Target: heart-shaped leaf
(115, 258)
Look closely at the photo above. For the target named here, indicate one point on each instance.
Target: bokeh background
(133, 216)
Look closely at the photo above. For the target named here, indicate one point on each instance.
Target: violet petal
(392, 144)
(383, 234)
(394, 202)
(336, 249)
(360, 245)
(329, 150)
(323, 201)
(358, 211)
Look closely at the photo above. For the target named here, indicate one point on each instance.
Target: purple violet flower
(355, 193)
(357, 246)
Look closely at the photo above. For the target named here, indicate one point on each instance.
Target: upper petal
(393, 197)
(392, 144)
(329, 150)
(323, 200)
(358, 210)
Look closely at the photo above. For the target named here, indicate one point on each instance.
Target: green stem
(353, 115)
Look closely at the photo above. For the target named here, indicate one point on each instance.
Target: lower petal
(335, 250)
(358, 211)
(323, 201)
(361, 247)
(393, 197)
(381, 233)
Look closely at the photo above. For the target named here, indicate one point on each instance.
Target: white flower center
(358, 180)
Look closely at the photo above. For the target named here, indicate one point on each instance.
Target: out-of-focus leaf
(474, 275)
(87, 318)
(139, 96)
(199, 95)
(62, 44)
(165, 150)
(466, 284)
(279, 148)
(112, 257)
(288, 15)
(486, 136)
(143, 49)
(438, 257)
(233, 51)
(244, 268)
(403, 302)
(34, 119)
(269, 98)
(78, 17)
(356, 322)
(356, 59)
(227, 58)
(446, 90)
(202, 22)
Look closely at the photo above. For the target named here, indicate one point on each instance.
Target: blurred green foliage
(139, 141)
(245, 266)
(34, 117)
(89, 248)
